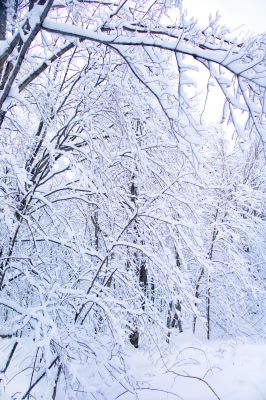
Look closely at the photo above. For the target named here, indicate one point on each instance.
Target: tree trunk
(197, 296)
(143, 275)
(3, 17)
(173, 318)
(56, 381)
(32, 2)
(143, 279)
(10, 357)
(208, 309)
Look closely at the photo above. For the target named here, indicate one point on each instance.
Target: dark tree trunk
(10, 357)
(143, 274)
(197, 293)
(176, 322)
(173, 318)
(3, 17)
(139, 262)
(174, 309)
(152, 290)
(143, 279)
(32, 2)
(209, 310)
(134, 338)
(169, 319)
(56, 381)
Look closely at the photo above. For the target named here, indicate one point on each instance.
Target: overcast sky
(247, 15)
(251, 14)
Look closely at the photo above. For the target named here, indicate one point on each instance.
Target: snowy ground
(235, 370)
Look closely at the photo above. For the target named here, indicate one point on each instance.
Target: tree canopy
(123, 217)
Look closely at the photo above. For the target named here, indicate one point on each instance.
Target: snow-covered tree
(232, 281)
(115, 219)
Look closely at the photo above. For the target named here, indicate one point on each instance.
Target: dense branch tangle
(97, 235)
(140, 26)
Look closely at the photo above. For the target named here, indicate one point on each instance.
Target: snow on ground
(234, 369)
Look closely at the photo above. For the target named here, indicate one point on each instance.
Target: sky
(244, 17)
(250, 15)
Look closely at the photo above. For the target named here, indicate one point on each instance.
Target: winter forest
(132, 231)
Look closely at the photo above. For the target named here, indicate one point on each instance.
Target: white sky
(250, 14)
(242, 16)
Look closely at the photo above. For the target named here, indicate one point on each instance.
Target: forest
(132, 231)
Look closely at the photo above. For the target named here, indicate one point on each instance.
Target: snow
(235, 369)
(124, 121)
(187, 368)
(216, 55)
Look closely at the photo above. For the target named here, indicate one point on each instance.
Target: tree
(231, 281)
(137, 33)
(70, 227)
(101, 228)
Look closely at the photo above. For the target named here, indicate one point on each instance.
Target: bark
(32, 2)
(32, 386)
(56, 382)
(197, 292)
(174, 309)
(10, 357)
(208, 310)
(21, 45)
(173, 318)
(152, 290)
(143, 274)
(3, 16)
(210, 256)
(134, 338)
(143, 279)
